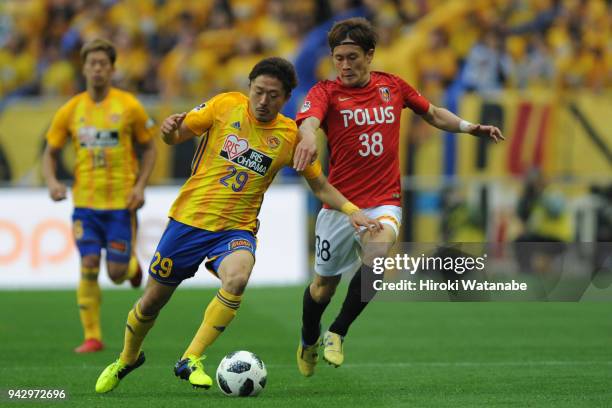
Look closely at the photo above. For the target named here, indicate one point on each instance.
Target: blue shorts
(182, 248)
(112, 230)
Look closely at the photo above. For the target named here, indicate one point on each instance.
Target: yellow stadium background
(553, 102)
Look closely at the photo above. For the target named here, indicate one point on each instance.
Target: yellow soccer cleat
(332, 352)
(112, 375)
(307, 357)
(191, 369)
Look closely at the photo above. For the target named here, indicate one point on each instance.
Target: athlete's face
(266, 97)
(352, 64)
(98, 69)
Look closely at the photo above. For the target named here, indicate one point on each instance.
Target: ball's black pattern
(239, 367)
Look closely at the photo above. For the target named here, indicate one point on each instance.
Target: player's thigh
(179, 253)
(120, 229)
(336, 248)
(235, 271)
(390, 216)
(232, 258)
(88, 232)
(374, 245)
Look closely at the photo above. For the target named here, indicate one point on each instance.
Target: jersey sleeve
(315, 104)
(312, 171)
(412, 98)
(143, 124)
(202, 117)
(59, 130)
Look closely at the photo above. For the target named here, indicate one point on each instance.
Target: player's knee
(373, 252)
(117, 272)
(235, 273)
(150, 305)
(235, 282)
(90, 261)
(322, 291)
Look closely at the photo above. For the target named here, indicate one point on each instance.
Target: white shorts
(337, 245)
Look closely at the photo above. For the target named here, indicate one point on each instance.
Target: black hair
(278, 68)
(357, 31)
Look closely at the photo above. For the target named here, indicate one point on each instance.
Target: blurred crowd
(194, 48)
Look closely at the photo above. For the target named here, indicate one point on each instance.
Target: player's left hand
(488, 131)
(358, 219)
(305, 153)
(136, 198)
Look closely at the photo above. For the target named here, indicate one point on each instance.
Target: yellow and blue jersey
(103, 136)
(234, 164)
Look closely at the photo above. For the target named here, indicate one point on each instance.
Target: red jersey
(362, 127)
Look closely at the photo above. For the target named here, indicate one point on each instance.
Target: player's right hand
(305, 152)
(358, 220)
(172, 123)
(57, 191)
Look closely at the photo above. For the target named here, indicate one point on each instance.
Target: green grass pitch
(397, 354)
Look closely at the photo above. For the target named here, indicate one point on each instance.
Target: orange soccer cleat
(90, 346)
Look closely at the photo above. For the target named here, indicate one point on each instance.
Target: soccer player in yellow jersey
(245, 141)
(104, 126)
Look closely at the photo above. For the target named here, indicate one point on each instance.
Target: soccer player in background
(360, 113)
(244, 143)
(105, 125)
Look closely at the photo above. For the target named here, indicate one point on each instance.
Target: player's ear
(370, 55)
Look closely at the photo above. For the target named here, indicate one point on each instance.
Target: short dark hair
(278, 68)
(358, 30)
(99, 44)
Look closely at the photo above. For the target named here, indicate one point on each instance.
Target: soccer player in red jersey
(360, 113)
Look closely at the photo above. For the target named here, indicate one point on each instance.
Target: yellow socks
(218, 315)
(88, 299)
(137, 327)
(132, 268)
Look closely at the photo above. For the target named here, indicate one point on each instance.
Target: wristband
(465, 126)
(349, 208)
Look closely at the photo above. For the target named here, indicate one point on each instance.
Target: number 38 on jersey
(371, 144)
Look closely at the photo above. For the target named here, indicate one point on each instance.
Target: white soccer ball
(241, 374)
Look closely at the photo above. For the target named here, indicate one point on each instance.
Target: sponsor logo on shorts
(240, 243)
(77, 229)
(237, 150)
(118, 247)
(305, 107)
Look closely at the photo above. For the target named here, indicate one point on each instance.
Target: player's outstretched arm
(306, 150)
(446, 120)
(174, 131)
(136, 197)
(329, 195)
(57, 190)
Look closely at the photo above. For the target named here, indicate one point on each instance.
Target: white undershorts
(337, 244)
